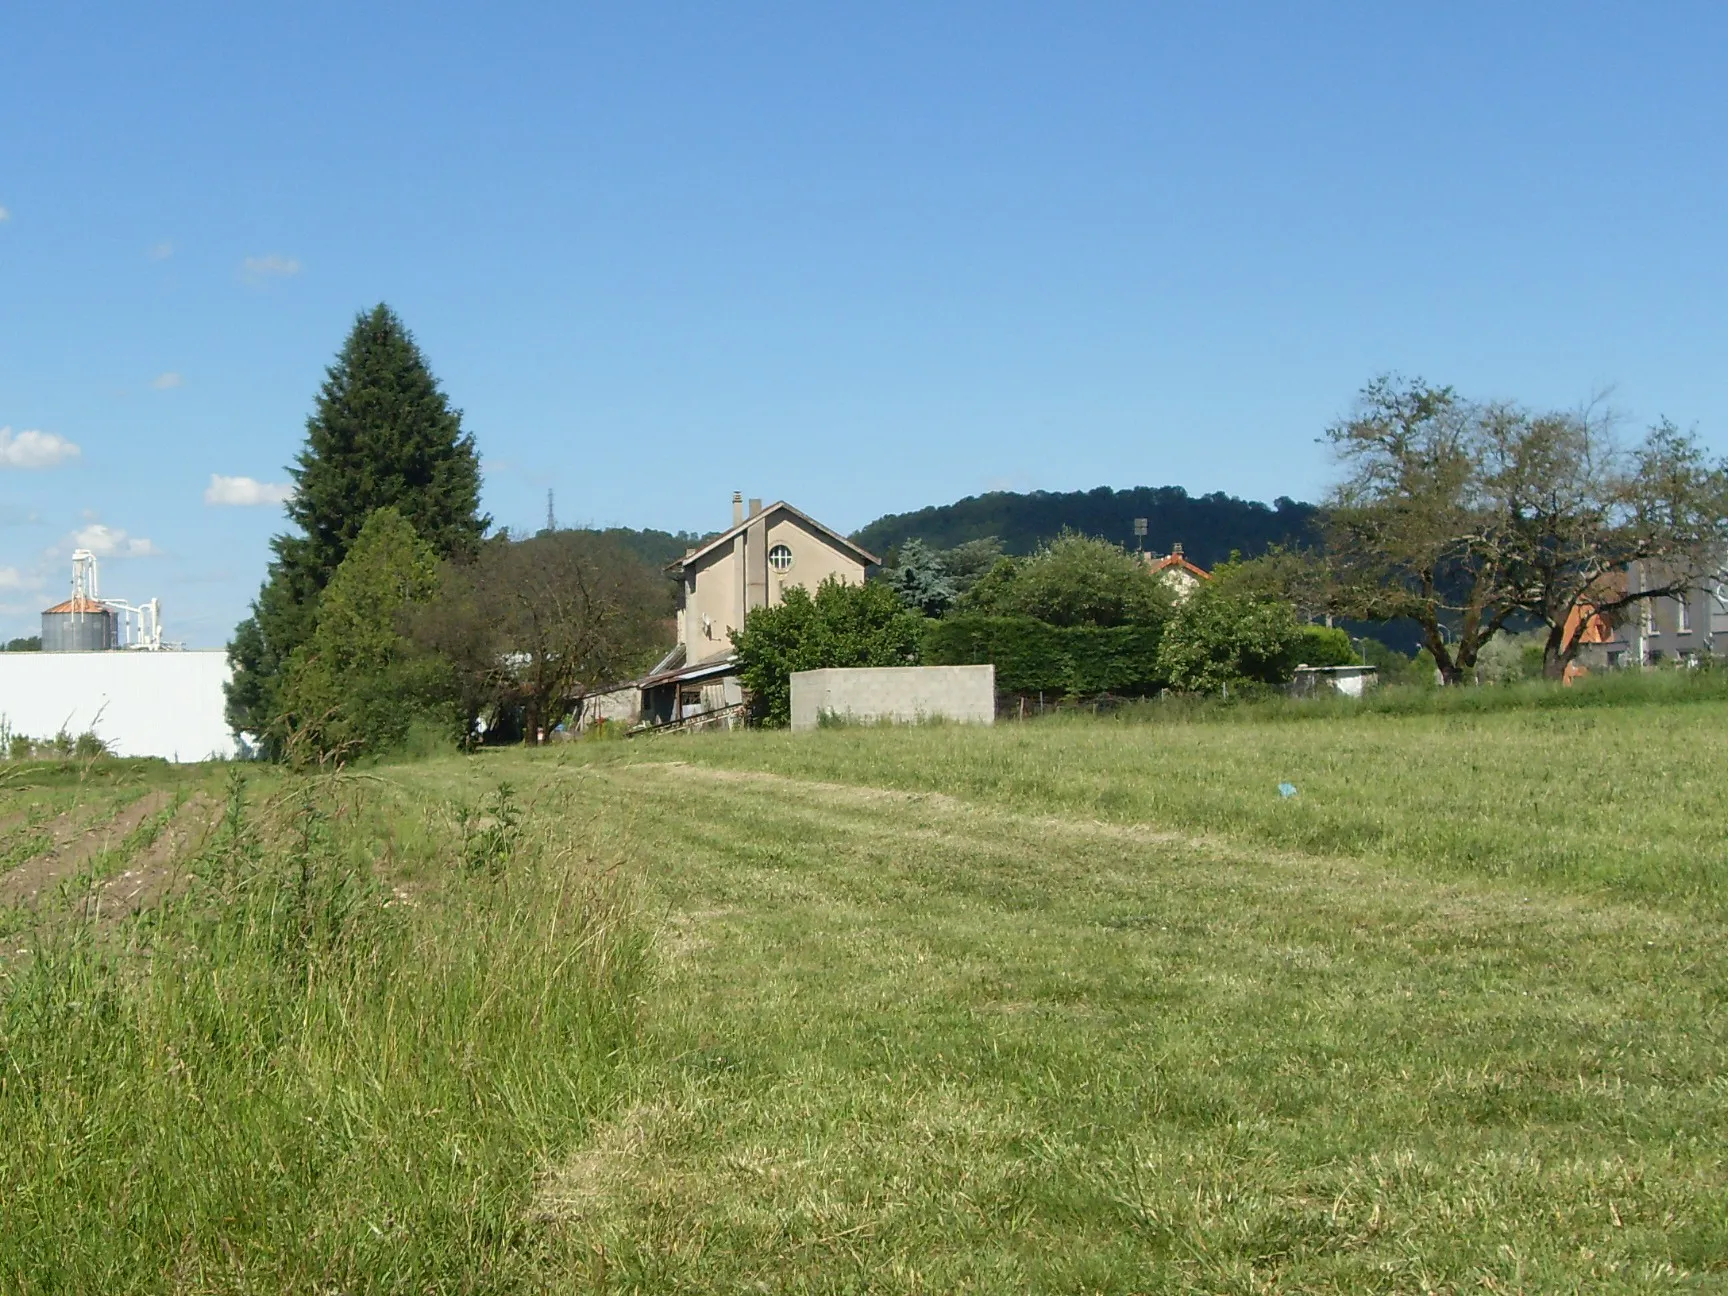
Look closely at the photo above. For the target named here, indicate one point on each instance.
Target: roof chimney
(1175, 548)
(737, 507)
(755, 507)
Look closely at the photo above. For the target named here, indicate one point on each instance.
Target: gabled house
(765, 552)
(1182, 576)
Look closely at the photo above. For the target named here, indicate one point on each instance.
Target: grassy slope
(1011, 1024)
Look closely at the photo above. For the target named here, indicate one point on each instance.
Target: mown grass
(1618, 802)
(1066, 1007)
(907, 1041)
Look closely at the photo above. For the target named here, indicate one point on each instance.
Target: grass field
(1071, 1006)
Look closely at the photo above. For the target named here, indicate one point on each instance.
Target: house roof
(1177, 562)
(864, 555)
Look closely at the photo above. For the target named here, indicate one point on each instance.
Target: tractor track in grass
(74, 848)
(1450, 900)
(157, 871)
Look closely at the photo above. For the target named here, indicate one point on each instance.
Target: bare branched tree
(1465, 517)
(1410, 526)
(531, 625)
(1579, 510)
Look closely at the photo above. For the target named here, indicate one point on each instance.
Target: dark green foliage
(31, 644)
(1229, 636)
(357, 684)
(1209, 527)
(967, 563)
(841, 625)
(1323, 646)
(1075, 580)
(1034, 657)
(656, 548)
(382, 436)
(920, 577)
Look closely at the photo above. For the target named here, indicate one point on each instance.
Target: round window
(780, 558)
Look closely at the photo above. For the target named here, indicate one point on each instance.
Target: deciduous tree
(530, 625)
(1228, 634)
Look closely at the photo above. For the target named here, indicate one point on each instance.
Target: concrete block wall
(904, 694)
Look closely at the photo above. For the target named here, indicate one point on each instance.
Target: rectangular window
(1649, 615)
(1682, 616)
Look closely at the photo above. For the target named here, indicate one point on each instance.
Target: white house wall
(165, 704)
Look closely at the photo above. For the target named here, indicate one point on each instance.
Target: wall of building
(715, 597)
(903, 694)
(738, 569)
(814, 558)
(143, 703)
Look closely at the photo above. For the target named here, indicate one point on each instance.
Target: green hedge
(1323, 646)
(1033, 656)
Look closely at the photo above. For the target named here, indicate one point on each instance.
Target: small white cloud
(245, 491)
(161, 251)
(13, 579)
(111, 542)
(166, 381)
(256, 270)
(5, 215)
(32, 448)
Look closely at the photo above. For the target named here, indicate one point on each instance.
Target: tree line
(1470, 519)
(392, 607)
(390, 610)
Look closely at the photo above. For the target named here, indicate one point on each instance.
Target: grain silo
(84, 622)
(80, 624)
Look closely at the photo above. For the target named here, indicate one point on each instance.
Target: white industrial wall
(902, 694)
(143, 703)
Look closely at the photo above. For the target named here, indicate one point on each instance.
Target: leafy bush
(1032, 656)
(841, 625)
(1226, 635)
(1323, 646)
(1075, 580)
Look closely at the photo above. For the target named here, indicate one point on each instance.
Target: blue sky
(865, 258)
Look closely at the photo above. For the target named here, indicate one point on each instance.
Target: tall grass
(296, 1078)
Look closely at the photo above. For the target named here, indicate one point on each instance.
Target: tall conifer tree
(382, 436)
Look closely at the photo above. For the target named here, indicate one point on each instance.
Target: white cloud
(164, 381)
(273, 266)
(5, 215)
(13, 579)
(111, 542)
(161, 251)
(245, 491)
(32, 448)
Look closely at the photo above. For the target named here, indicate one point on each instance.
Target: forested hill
(1208, 526)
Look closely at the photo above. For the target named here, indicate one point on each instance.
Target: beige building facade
(766, 552)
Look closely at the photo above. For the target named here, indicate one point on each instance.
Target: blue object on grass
(1286, 789)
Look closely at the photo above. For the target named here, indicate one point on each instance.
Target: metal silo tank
(79, 625)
